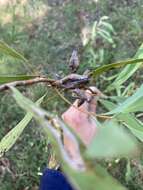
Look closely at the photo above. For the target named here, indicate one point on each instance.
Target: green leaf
(5, 49)
(7, 79)
(108, 104)
(81, 180)
(94, 28)
(132, 104)
(11, 137)
(130, 121)
(128, 171)
(43, 118)
(133, 124)
(111, 141)
(104, 18)
(108, 26)
(128, 71)
(106, 35)
(108, 67)
(92, 179)
(101, 55)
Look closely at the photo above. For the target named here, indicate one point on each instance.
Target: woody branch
(71, 81)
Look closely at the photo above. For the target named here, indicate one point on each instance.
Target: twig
(25, 83)
(86, 112)
(69, 82)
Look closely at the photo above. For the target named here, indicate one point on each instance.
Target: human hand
(80, 119)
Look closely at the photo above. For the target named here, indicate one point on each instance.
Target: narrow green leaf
(130, 121)
(111, 141)
(132, 104)
(128, 171)
(128, 71)
(101, 55)
(104, 18)
(108, 104)
(104, 34)
(11, 137)
(94, 32)
(108, 67)
(7, 79)
(5, 49)
(108, 26)
(92, 179)
(134, 125)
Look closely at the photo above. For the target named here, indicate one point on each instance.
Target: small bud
(74, 61)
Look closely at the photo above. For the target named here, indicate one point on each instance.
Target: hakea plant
(112, 139)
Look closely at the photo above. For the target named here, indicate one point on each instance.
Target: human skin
(80, 119)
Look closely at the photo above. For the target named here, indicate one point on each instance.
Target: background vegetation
(46, 32)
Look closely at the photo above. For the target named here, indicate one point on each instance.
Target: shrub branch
(71, 81)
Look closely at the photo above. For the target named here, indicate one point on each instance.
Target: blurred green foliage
(46, 32)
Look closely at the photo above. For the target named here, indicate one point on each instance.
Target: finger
(90, 105)
(85, 109)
